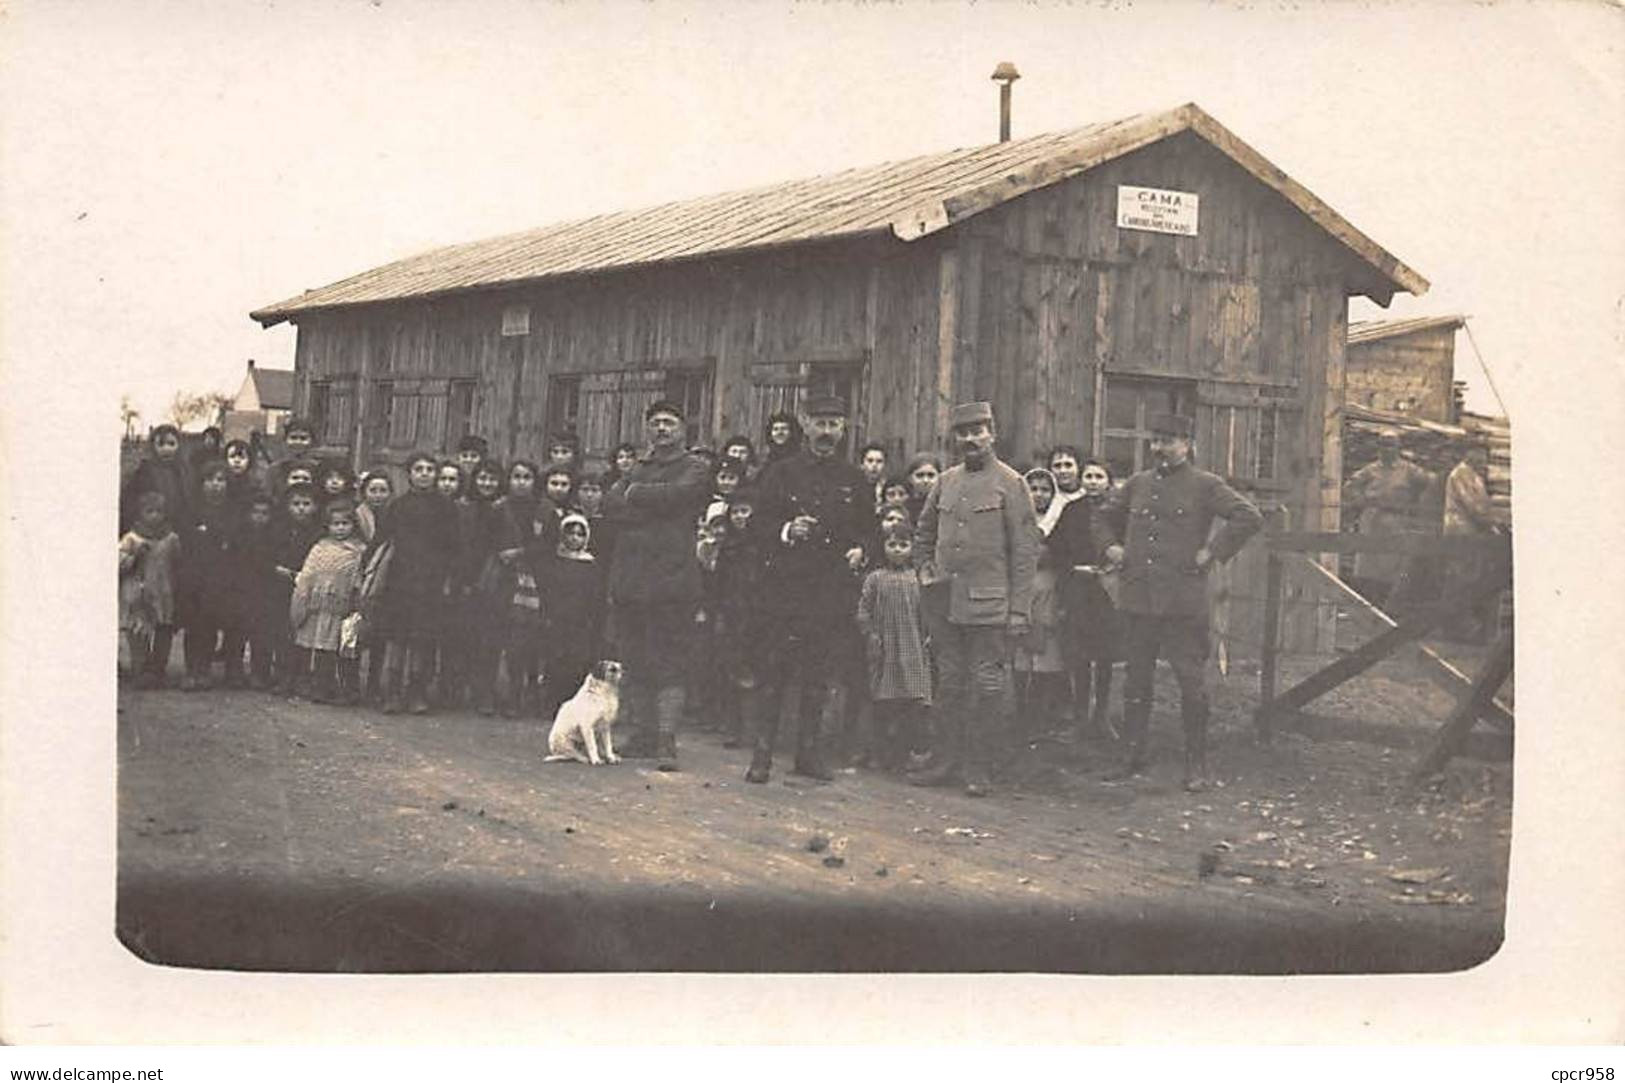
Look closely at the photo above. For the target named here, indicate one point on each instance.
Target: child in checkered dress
(899, 668)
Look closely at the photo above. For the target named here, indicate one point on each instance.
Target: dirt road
(261, 833)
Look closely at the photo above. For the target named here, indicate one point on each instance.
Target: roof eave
(291, 310)
(1450, 322)
(1141, 132)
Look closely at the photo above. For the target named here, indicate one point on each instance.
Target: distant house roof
(1374, 330)
(274, 388)
(908, 200)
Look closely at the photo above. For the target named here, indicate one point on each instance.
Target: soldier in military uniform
(1157, 526)
(1387, 497)
(978, 542)
(654, 580)
(817, 512)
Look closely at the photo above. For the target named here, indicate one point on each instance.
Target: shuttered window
(317, 398)
(422, 414)
(606, 409)
(1244, 431)
(330, 407)
(786, 387)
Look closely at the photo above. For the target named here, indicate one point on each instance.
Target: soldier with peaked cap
(815, 514)
(654, 581)
(977, 540)
(1157, 527)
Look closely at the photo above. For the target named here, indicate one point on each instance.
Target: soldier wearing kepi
(978, 540)
(1157, 527)
(654, 580)
(816, 512)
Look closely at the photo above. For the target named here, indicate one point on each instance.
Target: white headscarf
(1052, 514)
(1047, 521)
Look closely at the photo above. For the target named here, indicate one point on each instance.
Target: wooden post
(1272, 632)
(515, 355)
(363, 402)
(1434, 664)
(1497, 667)
(947, 336)
(1376, 650)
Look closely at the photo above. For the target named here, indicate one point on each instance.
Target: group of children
(300, 578)
(482, 584)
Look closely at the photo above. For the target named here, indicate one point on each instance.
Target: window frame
(1185, 399)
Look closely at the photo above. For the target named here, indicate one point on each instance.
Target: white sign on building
(515, 320)
(1157, 210)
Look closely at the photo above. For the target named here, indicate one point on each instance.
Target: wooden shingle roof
(907, 199)
(1376, 330)
(274, 388)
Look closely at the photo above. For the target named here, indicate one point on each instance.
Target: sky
(170, 166)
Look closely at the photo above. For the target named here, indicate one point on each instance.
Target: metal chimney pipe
(1004, 75)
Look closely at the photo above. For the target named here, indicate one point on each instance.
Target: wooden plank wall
(1418, 368)
(1025, 305)
(857, 303)
(1253, 308)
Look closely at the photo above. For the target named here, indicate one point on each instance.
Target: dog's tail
(565, 759)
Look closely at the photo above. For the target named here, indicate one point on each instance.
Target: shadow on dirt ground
(260, 833)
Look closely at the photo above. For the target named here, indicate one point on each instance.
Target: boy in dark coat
(300, 530)
(209, 581)
(740, 580)
(161, 471)
(259, 586)
(422, 525)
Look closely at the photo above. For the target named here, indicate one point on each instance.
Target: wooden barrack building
(1079, 280)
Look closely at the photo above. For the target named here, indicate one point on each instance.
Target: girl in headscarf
(1039, 664)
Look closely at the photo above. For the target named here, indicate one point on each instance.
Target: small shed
(1405, 367)
(1080, 280)
(263, 402)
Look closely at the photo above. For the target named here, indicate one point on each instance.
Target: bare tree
(129, 415)
(190, 406)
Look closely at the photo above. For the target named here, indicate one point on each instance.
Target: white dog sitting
(584, 723)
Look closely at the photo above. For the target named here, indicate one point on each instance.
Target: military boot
(985, 729)
(638, 721)
(741, 709)
(1136, 721)
(668, 713)
(766, 726)
(1100, 719)
(817, 720)
(392, 679)
(1195, 712)
(942, 766)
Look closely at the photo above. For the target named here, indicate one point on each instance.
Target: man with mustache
(1156, 527)
(654, 580)
(819, 513)
(977, 540)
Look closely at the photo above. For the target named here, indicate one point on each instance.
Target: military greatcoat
(978, 533)
(1162, 517)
